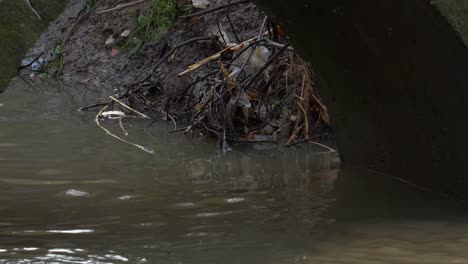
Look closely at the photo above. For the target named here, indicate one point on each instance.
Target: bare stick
(167, 116)
(128, 107)
(304, 141)
(306, 120)
(34, 10)
(122, 127)
(145, 149)
(120, 6)
(230, 21)
(271, 43)
(213, 57)
(321, 145)
(86, 108)
(168, 54)
(215, 9)
(265, 66)
(260, 35)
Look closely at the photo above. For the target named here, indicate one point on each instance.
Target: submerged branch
(108, 132)
(34, 10)
(120, 6)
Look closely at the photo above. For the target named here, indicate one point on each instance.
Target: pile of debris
(227, 70)
(254, 89)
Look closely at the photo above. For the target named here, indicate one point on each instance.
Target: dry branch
(121, 6)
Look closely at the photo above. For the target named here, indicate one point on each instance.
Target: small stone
(202, 4)
(110, 40)
(126, 33)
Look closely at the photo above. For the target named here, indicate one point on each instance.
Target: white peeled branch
(113, 114)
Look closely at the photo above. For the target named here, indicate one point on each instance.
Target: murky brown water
(71, 194)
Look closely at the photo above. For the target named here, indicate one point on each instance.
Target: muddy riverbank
(217, 68)
(19, 29)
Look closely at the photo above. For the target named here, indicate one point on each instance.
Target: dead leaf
(325, 117)
(229, 80)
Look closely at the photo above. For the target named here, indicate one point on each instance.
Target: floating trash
(72, 231)
(34, 64)
(126, 197)
(77, 193)
(61, 250)
(235, 200)
(112, 115)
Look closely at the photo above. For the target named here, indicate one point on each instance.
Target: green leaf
(89, 4)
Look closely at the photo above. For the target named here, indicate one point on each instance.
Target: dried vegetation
(219, 68)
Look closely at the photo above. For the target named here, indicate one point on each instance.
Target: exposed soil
(273, 98)
(88, 59)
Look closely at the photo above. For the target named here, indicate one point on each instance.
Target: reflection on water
(71, 194)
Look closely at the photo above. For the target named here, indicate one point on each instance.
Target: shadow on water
(374, 195)
(69, 193)
(378, 219)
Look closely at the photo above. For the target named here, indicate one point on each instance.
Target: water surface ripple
(71, 194)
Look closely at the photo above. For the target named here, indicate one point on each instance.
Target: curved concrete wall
(394, 75)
